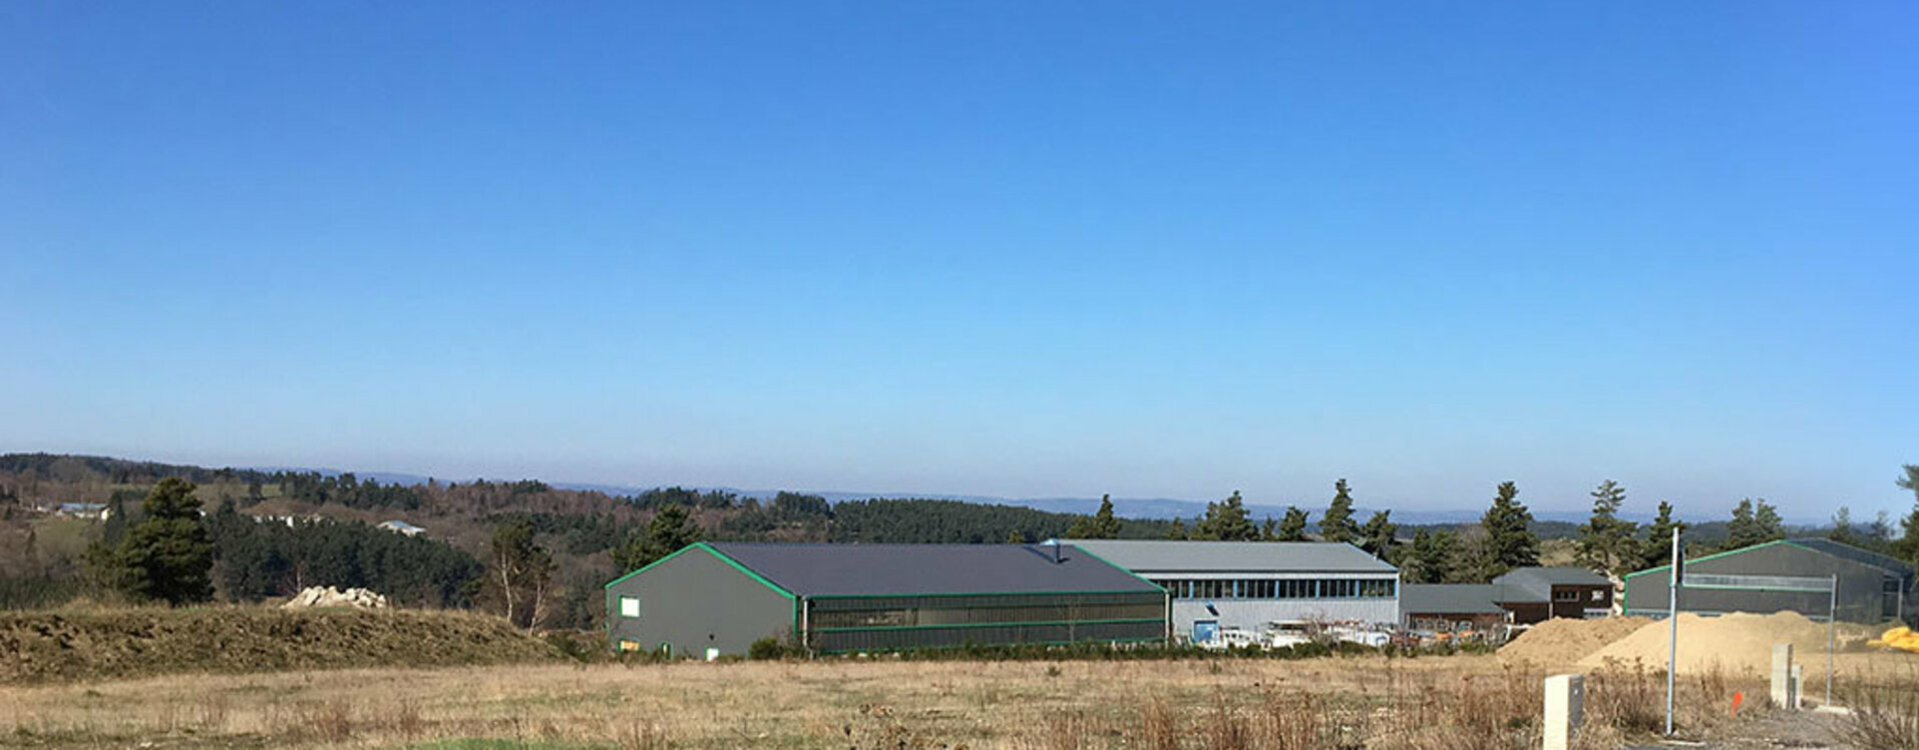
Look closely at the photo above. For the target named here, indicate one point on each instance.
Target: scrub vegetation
(1461, 703)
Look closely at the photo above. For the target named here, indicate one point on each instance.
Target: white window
(629, 606)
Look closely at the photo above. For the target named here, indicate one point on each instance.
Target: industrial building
(1537, 594)
(1872, 588)
(1249, 585)
(718, 598)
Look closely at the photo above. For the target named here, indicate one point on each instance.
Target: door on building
(1205, 631)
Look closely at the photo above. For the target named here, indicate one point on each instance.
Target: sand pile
(1735, 643)
(1562, 642)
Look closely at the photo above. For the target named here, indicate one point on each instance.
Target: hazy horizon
(996, 249)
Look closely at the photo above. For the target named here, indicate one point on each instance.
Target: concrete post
(1565, 709)
(1782, 696)
(1798, 686)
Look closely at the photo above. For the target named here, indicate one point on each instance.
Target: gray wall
(1860, 586)
(696, 600)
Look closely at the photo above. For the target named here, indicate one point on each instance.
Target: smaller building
(89, 511)
(1538, 594)
(1872, 587)
(395, 526)
(1452, 607)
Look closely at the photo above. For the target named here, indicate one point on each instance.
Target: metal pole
(1832, 636)
(1672, 616)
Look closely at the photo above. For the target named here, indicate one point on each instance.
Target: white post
(1673, 582)
(1782, 677)
(1565, 709)
(1832, 636)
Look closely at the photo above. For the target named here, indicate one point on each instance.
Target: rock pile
(328, 596)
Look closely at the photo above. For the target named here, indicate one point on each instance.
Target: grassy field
(1374, 702)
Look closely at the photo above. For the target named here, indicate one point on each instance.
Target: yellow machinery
(1902, 638)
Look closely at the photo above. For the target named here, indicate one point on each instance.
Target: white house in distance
(1246, 585)
(402, 527)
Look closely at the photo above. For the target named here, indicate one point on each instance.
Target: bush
(766, 649)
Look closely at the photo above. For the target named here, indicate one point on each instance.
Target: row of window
(1297, 588)
(935, 616)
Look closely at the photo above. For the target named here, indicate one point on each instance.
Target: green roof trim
(1155, 639)
(1129, 571)
(1156, 590)
(1016, 623)
(1718, 555)
(703, 546)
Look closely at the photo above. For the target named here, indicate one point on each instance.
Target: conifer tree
(1337, 525)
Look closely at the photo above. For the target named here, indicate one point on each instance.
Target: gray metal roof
(1450, 599)
(1855, 554)
(920, 569)
(1538, 583)
(1152, 556)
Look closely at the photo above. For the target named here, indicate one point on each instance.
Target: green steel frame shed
(1872, 587)
(720, 597)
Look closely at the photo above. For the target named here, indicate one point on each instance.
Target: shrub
(766, 649)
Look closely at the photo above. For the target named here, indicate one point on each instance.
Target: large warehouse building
(1872, 587)
(1246, 585)
(717, 598)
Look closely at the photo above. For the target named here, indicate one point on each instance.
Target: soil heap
(1563, 642)
(1736, 643)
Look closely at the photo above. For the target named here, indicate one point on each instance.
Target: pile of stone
(328, 596)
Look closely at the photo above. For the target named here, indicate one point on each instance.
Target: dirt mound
(1562, 642)
(1734, 643)
(44, 646)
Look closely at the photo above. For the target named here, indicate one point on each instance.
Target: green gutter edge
(1021, 623)
(1155, 590)
(716, 553)
(1718, 555)
(1121, 568)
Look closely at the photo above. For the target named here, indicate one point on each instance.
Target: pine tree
(671, 529)
(1177, 530)
(1510, 542)
(1907, 546)
(1766, 519)
(1376, 537)
(1842, 531)
(1293, 527)
(1269, 530)
(1337, 525)
(1431, 558)
(1018, 537)
(1740, 531)
(1105, 524)
(167, 557)
(1226, 521)
(1607, 544)
(1657, 549)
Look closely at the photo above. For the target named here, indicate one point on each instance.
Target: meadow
(1462, 701)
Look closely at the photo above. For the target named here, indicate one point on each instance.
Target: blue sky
(1018, 249)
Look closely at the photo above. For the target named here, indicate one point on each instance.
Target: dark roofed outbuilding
(843, 597)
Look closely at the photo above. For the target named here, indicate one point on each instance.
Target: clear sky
(1019, 249)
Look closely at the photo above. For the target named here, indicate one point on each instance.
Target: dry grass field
(1374, 702)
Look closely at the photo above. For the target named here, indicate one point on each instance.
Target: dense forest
(537, 554)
